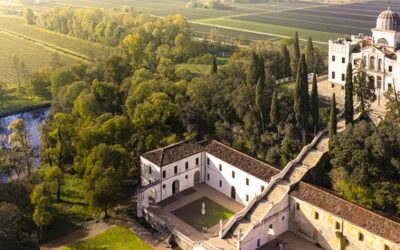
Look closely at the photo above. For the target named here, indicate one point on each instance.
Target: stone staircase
(290, 175)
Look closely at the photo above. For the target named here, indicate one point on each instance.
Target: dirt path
(77, 236)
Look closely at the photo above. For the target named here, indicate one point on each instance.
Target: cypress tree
(253, 70)
(214, 66)
(310, 55)
(315, 103)
(301, 102)
(296, 55)
(349, 105)
(274, 113)
(333, 119)
(260, 99)
(285, 54)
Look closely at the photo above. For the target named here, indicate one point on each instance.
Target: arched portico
(175, 187)
(196, 178)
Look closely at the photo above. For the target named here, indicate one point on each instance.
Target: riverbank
(13, 104)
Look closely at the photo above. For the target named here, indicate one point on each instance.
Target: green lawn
(71, 212)
(12, 102)
(115, 238)
(191, 213)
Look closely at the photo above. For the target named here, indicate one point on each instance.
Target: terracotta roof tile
(240, 160)
(173, 153)
(178, 151)
(375, 222)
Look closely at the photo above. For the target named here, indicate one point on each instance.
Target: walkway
(289, 241)
(76, 236)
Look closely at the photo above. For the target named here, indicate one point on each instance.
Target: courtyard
(184, 211)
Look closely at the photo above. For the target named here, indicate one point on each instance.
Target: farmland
(33, 55)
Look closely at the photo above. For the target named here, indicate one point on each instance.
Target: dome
(388, 20)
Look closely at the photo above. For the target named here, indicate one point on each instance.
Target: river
(33, 122)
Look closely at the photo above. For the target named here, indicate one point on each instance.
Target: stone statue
(203, 209)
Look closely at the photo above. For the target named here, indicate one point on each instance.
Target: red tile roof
(376, 222)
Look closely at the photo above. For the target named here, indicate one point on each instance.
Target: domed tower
(387, 31)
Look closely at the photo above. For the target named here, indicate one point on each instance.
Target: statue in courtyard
(203, 209)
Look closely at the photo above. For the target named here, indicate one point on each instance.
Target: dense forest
(139, 97)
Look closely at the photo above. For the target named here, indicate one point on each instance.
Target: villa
(379, 53)
(250, 204)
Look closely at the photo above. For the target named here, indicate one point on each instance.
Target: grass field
(71, 212)
(116, 238)
(191, 213)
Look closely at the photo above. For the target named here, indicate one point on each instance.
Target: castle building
(270, 203)
(380, 54)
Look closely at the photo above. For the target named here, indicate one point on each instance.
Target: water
(33, 122)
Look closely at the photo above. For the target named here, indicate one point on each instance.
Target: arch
(196, 178)
(379, 63)
(383, 41)
(233, 192)
(372, 62)
(175, 187)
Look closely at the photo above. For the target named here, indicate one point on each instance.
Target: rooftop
(373, 221)
(181, 150)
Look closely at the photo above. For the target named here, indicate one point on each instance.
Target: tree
(364, 88)
(29, 16)
(39, 83)
(332, 120)
(260, 100)
(54, 177)
(116, 70)
(315, 104)
(17, 67)
(295, 59)
(274, 112)
(106, 167)
(19, 138)
(285, 55)
(301, 101)
(16, 229)
(41, 199)
(214, 66)
(348, 99)
(392, 104)
(253, 73)
(310, 55)
(59, 78)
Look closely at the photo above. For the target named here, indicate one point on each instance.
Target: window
(390, 68)
(247, 197)
(258, 242)
(262, 188)
(372, 62)
(186, 176)
(247, 181)
(163, 186)
(332, 85)
(386, 247)
(283, 217)
(208, 177)
(389, 86)
(270, 226)
(149, 169)
(343, 77)
(175, 169)
(360, 236)
(233, 174)
(220, 167)
(208, 161)
(197, 161)
(316, 215)
(164, 174)
(333, 58)
(297, 206)
(337, 225)
(187, 165)
(220, 183)
(343, 60)
(333, 74)
(149, 181)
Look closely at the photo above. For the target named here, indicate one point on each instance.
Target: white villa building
(380, 53)
(272, 203)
